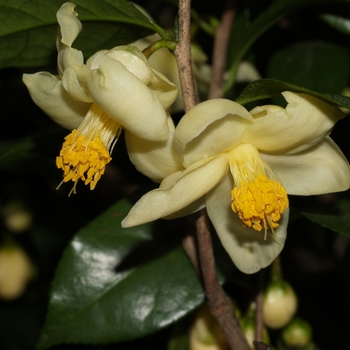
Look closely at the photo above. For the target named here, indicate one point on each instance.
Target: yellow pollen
(81, 159)
(86, 151)
(260, 204)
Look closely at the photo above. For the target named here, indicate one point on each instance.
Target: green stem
(163, 33)
(148, 51)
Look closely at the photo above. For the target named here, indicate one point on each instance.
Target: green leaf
(28, 29)
(278, 10)
(335, 217)
(268, 88)
(11, 152)
(179, 338)
(316, 65)
(114, 284)
(337, 22)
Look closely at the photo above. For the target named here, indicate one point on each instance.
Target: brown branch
(219, 304)
(222, 36)
(259, 299)
(190, 247)
(183, 55)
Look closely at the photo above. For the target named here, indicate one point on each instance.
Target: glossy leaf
(115, 284)
(14, 151)
(28, 29)
(278, 10)
(268, 88)
(316, 65)
(335, 217)
(337, 22)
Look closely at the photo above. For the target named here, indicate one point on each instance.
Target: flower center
(258, 198)
(86, 151)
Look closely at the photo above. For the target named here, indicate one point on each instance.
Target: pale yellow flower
(114, 89)
(15, 272)
(242, 164)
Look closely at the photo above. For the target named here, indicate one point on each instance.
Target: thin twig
(189, 246)
(183, 55)
(222, 36)
(218, 302)
(259, 307)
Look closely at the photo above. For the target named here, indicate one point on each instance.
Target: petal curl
(72, 84)
(190, 185)
(164, 88)
(305, 122)
(70, 26)
(156, 160)
(210, 128)
(317, 170)
(48, 93)
(246, 247)
(164, 62)
(133, 60)
(127, 100)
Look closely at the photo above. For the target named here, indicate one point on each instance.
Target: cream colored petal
(164, 88)
(47, 92)
(156, 160)
(93, 61)
(164, 62)
(190, 209)
(69, 57)
(305, 121)
(246, 247)
(70, 26)
(211, 127)
(190, 186)
(74, 87)
(246, 72)
(134, 61)
(128, 101)
(320, 169)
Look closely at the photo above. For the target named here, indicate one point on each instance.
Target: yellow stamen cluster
(86, 151)
(82, 159)
(260, 204)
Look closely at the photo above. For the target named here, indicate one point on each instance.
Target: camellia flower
(115, 89)
(242, 164)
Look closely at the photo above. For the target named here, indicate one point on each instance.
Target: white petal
(94, 60)
(164, 62)
(127, 100)
(164, 88)
(69, 57)
(70, 26)
(305, 122)
(191, 185)
(47, 92)
(246, 72)
(320, 169)
(156, 160)
(210, 128)
(73, 86)
(246, 247)
(133, 60)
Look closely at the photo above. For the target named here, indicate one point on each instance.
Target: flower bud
(248, 327)
(280, 304)
(297, 334)
(205, 333)
(16, 217)
(15, 271)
